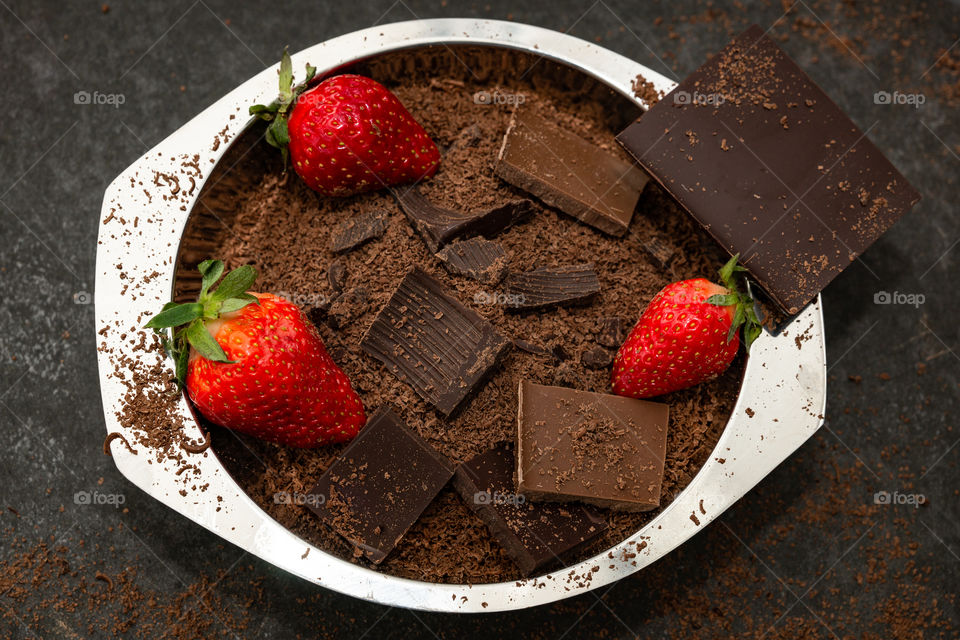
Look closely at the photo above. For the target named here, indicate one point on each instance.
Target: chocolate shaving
(189, 447)
(439, 225)
(551, 286)
(477, 258)
(116, 435)
(104, 578)
(352, 233)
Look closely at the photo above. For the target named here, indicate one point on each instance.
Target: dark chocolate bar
(476, 258)
(439, 225)
(535, 535)
(569, 173)
(362, 228)
(600, 449)
(771, 167)
(429, 340)
(380, 484)
(551, 286)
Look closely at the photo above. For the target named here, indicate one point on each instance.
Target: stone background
(809, 552)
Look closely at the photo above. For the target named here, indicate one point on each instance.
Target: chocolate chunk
(596, 358)
(600, 449)
(569, 173)
(337, 276)
(535, 535)
(530, 347)
(467, 138)
(612, 332)
(439, 225)
(798, 204)
(658, 248)
(551, 286)
(477, 258)
(429, 340)
(352, 233)
(347, 307)
(380, 484)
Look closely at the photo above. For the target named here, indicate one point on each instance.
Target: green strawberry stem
(277, 111)
(188, 320)
(745, 314)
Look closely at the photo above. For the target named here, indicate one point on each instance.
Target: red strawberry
(255, 364)
(347, 135)
(686, 335)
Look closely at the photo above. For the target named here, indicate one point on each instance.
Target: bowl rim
(780, 404)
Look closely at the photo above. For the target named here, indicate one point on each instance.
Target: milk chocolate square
(570, 173)
(599, 449)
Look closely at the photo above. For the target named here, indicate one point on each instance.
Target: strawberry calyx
(745, 313)
(277, 112)
(187, 321)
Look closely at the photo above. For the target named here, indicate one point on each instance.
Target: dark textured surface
(807, 552)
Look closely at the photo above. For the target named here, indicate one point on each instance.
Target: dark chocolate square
(771, 167)
(380, 485)
(535, 535)
(428, 339)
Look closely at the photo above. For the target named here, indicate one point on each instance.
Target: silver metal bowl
(779, 406)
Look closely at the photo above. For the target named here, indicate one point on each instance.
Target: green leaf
(235, 304)
(281, 134)
(176, 315)
(262, 110)
(723, 299)
(750, 333)
(738, 317)
(201, 340)
(270, 139)
(235, 283)
(286, 78)
(726, 271)
(311, 72)
(182, 358)
(211, 270)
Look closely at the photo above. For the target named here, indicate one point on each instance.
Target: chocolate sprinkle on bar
(569, 173)
(771, 167)
(551, 286)
(600, 449)
(381, 483)
(477, 258)
(535, 535)
(439, 225)
(352, 233)
(432, 342)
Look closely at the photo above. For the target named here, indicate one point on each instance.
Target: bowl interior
(217, 223)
